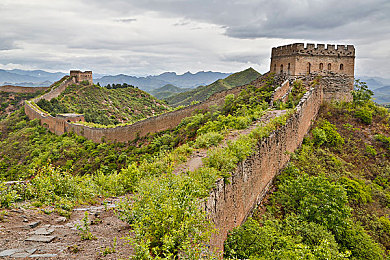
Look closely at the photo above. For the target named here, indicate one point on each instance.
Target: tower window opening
(321, 66)
(341, 66)
(329, 66)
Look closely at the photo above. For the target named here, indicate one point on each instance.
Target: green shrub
(370, 150)
(166, 219)
(357, 190)
(326, 134)
(361, 94)
(364, 114)
(315, 199)
(208, 139)
(7, 196)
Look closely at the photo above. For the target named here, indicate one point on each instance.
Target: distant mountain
(203, 92)
(29, 78)
(380, 86)
(167, 91)
(186, 80)
(382, 95)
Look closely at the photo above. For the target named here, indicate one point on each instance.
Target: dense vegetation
(10, 102)
(203, 92)
(332, 201)
(147, 170)
(105, 106)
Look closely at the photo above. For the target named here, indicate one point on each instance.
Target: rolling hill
(100, 105)
(167, 91)
(203, 92)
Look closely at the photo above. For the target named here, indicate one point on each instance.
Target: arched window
(329, 66)
(309, 67)
(281, 68)
(341, 66)
(288, 69)
(321, 66)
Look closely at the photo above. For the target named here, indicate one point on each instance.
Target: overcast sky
(142, 37)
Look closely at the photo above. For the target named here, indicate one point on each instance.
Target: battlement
(79, 76)
(299, 60)
(314, 50)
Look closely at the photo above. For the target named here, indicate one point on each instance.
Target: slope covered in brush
(332, 201)
(105, 106)
(203, 92)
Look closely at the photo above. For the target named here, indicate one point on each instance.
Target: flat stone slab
(43, 231)
(40, 238)
(21, 255)
(34, 224)
(9, 252)
(42, 255)
(17, 252)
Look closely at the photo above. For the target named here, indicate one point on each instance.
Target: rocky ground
(31, 233)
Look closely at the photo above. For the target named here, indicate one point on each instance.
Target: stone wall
(56, 91)
(281, 91)
(18, 89)
(230, 203)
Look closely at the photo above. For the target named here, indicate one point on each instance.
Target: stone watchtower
(338, 64)
(296, 60)
(79, 76)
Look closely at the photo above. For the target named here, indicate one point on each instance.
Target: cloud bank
(153, 36)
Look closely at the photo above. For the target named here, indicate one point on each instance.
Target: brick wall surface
(231, 202)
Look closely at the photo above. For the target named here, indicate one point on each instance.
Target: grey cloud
(279, 18)
(126, 20)
(151, 36)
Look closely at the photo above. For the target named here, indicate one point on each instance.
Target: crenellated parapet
(313, 49)
(300, 60)
(79, 76)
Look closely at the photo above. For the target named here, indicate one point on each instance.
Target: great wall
(230, 203)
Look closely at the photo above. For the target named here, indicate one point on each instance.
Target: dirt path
(30, 233)
(195, 160)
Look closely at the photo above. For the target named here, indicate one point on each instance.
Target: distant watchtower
(296, 60)
(79, 76)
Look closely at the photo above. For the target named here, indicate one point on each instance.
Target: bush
(166, 219)
(357, 190)
(361, 94)
(370, 150)
(208, 139)
(7, 196)
(315, 199)
(326, 134)
(364, 114)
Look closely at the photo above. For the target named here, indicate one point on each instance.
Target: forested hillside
(111, 105)
(203, 92)
(10, 102)
(332, 201)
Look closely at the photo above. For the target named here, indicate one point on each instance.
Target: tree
(361, 94)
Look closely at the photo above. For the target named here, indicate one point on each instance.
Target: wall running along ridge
(18, 89)
(230, 203)
(129, 132)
